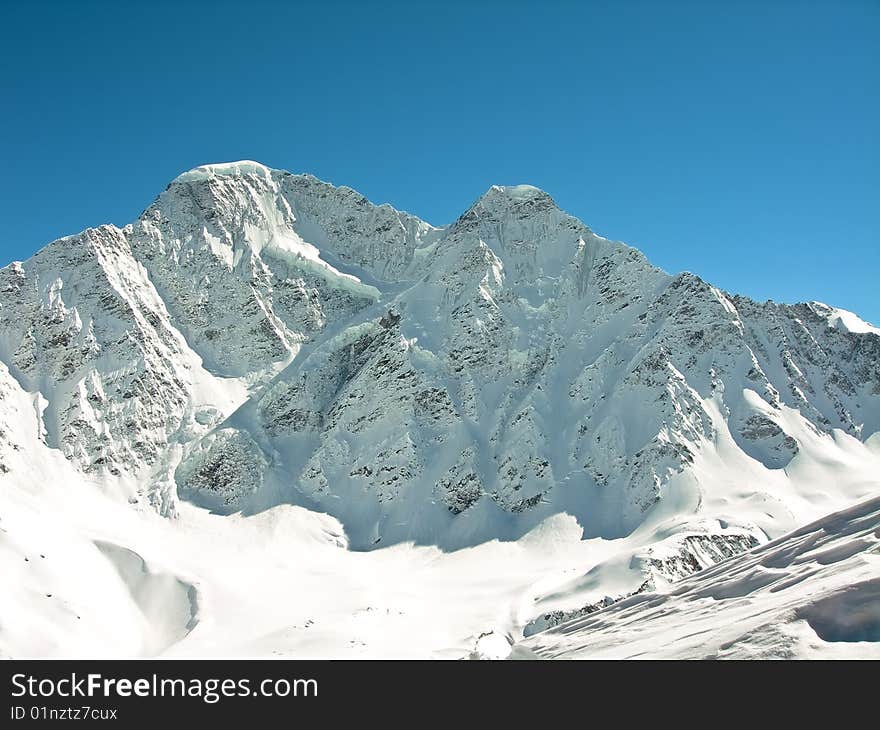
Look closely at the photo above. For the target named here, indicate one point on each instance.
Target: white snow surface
(270, 418)
(814, 593)
(844, 319)
(238, 168)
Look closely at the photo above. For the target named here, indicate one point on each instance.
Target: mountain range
(478, 432)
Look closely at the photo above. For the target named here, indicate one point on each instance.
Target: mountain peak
(500, 201)
(519, 192)
(514, 194)
(224, 169)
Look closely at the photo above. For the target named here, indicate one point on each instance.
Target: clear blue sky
(737, 140)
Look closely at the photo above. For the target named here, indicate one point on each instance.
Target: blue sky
(737, 140)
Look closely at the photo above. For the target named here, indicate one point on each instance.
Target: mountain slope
(814, 593)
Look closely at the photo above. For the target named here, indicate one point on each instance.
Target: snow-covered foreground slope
(271, 416)
(814, 593)
(88, 576)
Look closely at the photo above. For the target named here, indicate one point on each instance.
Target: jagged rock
(666, 563)
(225, 467)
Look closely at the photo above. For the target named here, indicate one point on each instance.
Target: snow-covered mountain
(261, 341)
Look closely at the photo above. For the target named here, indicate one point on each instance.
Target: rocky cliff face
(86, 333)
(258, 337)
